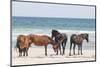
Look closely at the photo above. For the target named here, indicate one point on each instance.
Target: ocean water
(44, 25)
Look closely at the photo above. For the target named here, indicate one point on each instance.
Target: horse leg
(79, 46)
(60, 49)
(81, 49)
(78, 49)
(46, 50)
(70, 49)
(57, 52)
(63, 50)
(20, 52)
(27, 52)
(74, 49)
(64, 47)
(24, 50)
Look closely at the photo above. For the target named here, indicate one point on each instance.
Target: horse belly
(40, 44)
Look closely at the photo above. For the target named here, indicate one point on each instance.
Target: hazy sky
(52, 10)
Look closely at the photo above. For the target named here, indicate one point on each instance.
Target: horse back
(76, 39)
(40, 40)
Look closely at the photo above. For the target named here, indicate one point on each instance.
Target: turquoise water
(56, 23)
(44, 25)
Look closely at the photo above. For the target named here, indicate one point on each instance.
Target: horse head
(54, 33)
(55, 45)
(55, 48)
(85, 36)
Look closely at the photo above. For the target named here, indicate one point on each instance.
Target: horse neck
(52, 42)
(84, 38)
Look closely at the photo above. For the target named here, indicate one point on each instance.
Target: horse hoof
(56, 54)
(45, 54)
(74, 54)
(69, 54)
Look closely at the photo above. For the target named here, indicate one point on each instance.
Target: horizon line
(54, 17)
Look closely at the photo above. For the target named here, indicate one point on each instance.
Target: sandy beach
(37, 56)
(28, 19)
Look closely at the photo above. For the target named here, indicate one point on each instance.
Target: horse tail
(17, 45)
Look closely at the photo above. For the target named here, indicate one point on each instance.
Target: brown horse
(23, 44)
(77, 40)
(42, 40)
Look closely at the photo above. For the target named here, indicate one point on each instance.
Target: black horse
(60, 38)
(77, 40)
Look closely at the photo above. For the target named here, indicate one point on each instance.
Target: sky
(29, 9)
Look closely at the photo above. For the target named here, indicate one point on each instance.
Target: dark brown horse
(77, 40)
(60, 38)
(23, 44)
(42, 40)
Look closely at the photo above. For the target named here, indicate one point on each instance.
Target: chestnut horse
(23, 44)
(42, 40)
(77, 40)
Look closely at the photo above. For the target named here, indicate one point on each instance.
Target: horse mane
(84, 35)
(55, 31)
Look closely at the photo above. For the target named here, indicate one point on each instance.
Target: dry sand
(37, 56)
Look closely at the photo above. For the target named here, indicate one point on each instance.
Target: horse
(23, 44)
(42, 40)
(78, 40)
(60, 38)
